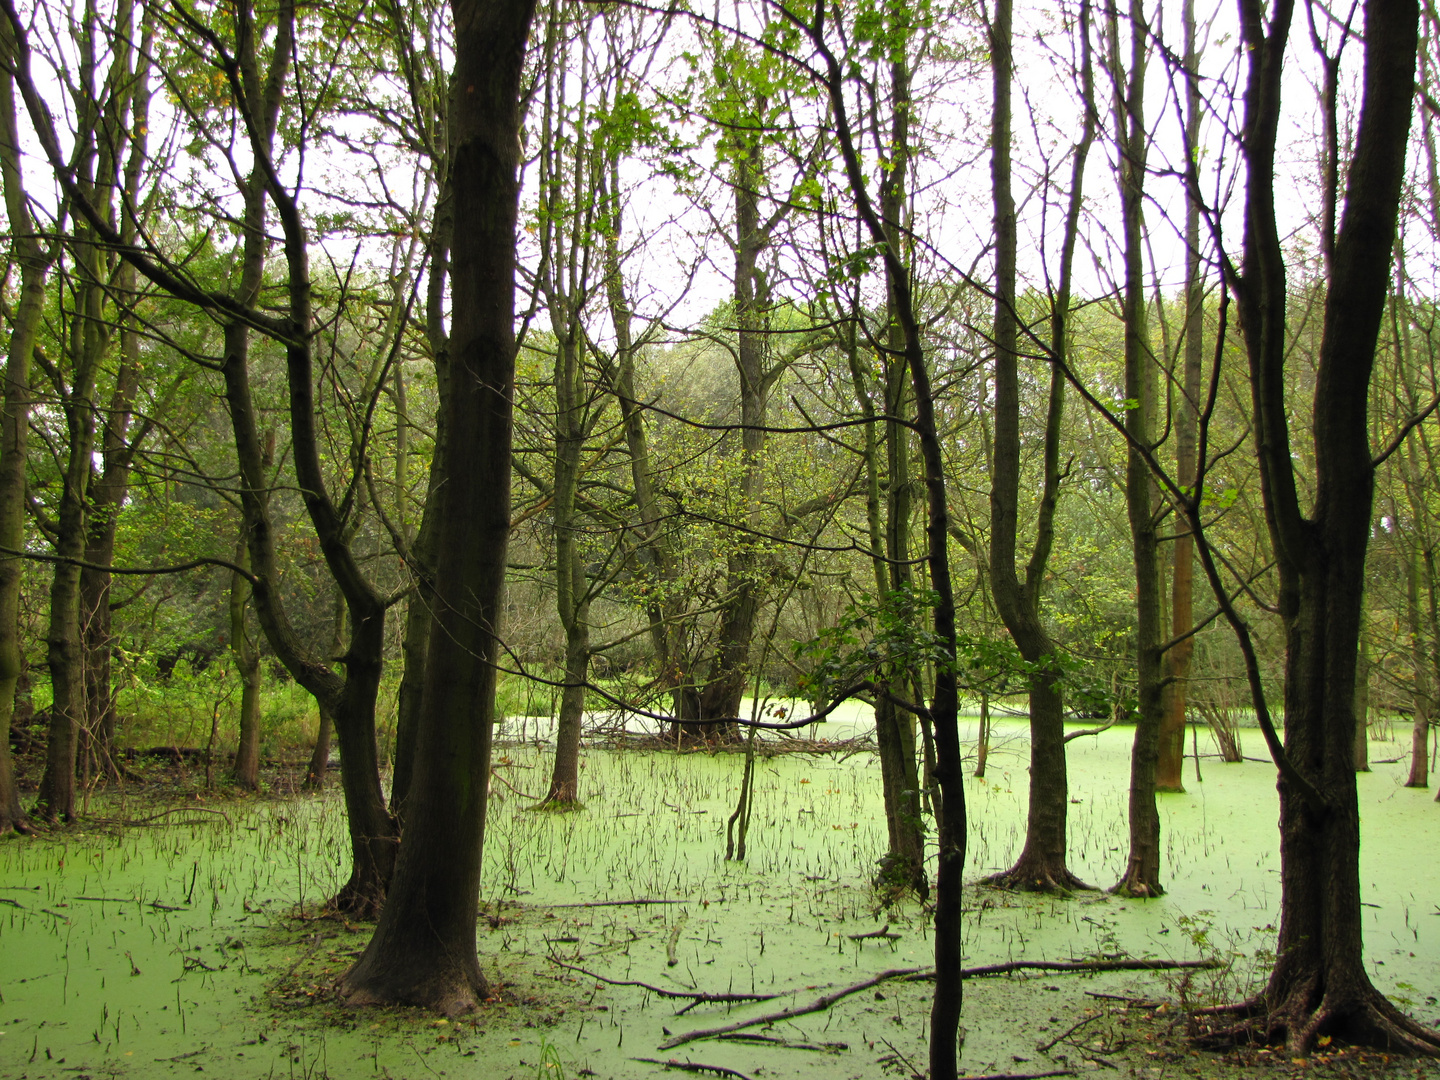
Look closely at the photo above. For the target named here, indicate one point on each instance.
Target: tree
(34, 258)
(1142, 870)
(1170, 755)
(1042, 864)
(1320, 986)
(423, 950)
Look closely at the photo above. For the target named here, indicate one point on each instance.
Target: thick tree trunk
(423, 951)
(1319, 986)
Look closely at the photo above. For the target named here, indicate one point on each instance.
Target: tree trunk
(87, 339)
(423, 950)
(34, 262)
(1420, 686)
(1042, 864)
(1142, 871)
(246, 771)
(1170, 759)
(1319, 986)
(707, 708)
(1362, 707)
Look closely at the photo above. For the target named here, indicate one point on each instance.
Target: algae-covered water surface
(188, 944)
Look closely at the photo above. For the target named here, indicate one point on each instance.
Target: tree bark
(246, 770)
(423, 950)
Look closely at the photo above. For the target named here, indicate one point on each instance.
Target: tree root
(19, 823)
(357, 902)
(1370, 1022)
(1034, 875)
(1134, 888)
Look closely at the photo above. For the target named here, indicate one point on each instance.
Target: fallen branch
(883, 932)
(618, 903)
(131, 822)
(1137, 1002)
(817, 1005)
(922, 974)
(987, 970)
(695, 997)
(694, 1066)
(1021, 1076)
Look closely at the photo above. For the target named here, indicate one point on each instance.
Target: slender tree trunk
(423, 951)
(34, 262)
(904, 863)
(1420, 687)
(1142, 871)
(246, 771)
(1042, 862)
(1170, 760)
(64, 647)
(716, 700)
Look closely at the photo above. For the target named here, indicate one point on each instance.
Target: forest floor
(176, 931)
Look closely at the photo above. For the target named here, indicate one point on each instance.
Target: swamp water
(174, 949)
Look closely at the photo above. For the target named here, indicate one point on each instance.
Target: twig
(695, 1067)
(1140, 1003)
(696, 997)
(915, 1073)
(776, 1040)
(1021, 1076)
(618, 903)
(789, 1014)
(1044, 1047)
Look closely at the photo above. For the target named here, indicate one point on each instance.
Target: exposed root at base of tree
(357, 902)
(1133, 887)
(450, 996)
(18, 823)
(1034, 875)
(1371, 1022)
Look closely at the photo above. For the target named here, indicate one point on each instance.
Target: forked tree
(1320, 986)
